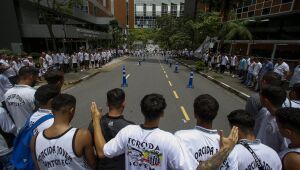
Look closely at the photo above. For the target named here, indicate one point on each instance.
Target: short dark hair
(272, 78)
(115, 97)
(296, 89)
(63, 101)
(28, 71)
(276, 95)
(152, 106)
(289, 117)
(242, 119)
(54, 76)
(44, 93)
(206, 107)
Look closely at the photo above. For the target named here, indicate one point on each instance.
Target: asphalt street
(153, 76)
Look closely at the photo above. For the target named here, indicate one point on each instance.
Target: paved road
(153, 76)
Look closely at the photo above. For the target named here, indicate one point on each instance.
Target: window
(153, 10)
(245, 9)
(239, 10)
(164, 9)
(145, 9)
(174, 10)
(266, 11)
(181, 9)
(286, 1)
(251, 14)
(239, 16)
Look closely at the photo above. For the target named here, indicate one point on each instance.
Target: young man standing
(55, 78)
(19, 100)
(111, 123)
(202, 141)
(272, 98)
(249, 147)
(144, 146)
(61, 146)
(43, 97)
(288, 120)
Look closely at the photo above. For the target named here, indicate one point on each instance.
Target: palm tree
(235, 30)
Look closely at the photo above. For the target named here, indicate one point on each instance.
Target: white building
(146, 11)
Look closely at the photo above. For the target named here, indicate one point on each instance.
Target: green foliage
(141, 35)
(200, 66)
(236, 30)
(6, 52)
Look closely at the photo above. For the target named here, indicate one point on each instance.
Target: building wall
(9, 30)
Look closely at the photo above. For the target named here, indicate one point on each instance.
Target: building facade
(146, 11)
(27, 28)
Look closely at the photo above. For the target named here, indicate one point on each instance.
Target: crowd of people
(250, 69)
(264, 135)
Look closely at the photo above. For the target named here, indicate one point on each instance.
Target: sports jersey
(202, 143)
(20, 103)
(245, 160)
(58, 152)
(36, 116)
(149, 149)
(288, 150)
(269, 134)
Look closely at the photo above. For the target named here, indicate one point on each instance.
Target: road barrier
(124, 80)
(190, 84)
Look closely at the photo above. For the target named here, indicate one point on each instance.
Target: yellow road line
(167, 76)
(185, 114)
(170, 84)
(175, 94)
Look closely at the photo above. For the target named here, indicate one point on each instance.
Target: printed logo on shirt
(15, 100)
(143, 155)
(253, 166)
(206, 150)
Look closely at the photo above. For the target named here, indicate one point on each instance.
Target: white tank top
(285, 152)
(58, 152)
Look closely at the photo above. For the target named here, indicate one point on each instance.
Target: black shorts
(93, 62)
(74, 65)
(82, 63)
(86, 62)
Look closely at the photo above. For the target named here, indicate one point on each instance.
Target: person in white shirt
(93, 56)
(86, 60)
(61, 146)
(249, 79)
(294, 97)
(8, 131)
(74, 62)
(272, 98)
(61, 61)
(66, 63)
(256, 70)
(49, 59)
(144, 146)
(4, 86)
(249, 147)
(288, 122)
(55, 60)
(233, 63)
(224, 61)
(295, 76)
(19, 100)
(80, 59)
(202, 142)
(43, 97)
(282, 68)
(8, 71)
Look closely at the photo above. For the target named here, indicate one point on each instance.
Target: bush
(6, 52)
(200, 66)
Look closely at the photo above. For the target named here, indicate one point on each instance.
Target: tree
(235, 30)
(57, 12)
(116, 32)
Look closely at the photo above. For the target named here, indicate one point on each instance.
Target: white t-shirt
(233, 61)
(257, 68)
(7, 125)
(36, 116)
(61, 58)
(66, 59)
(269, 134)
(245, 161)
(86, 56)
(55, 58)
(49, 60)
(74, 58)
(296, 76)
(4, 86)
(280, 69)
(224, 60)
(20, 103)
(93, 57)
(202, 143)
(291, 103)
(288, 150)
(149, 149)
(80, 56)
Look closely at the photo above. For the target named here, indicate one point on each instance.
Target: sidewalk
(73, 78)
(225, 80)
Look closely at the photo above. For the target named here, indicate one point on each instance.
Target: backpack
(21, 156)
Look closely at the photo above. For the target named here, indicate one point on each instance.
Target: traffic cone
(124, 80)
(176, 68)
(190, 84)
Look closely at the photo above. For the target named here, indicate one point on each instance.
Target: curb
(225, 86)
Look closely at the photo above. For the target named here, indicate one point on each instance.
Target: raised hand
(231, 140)
(96, 113)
